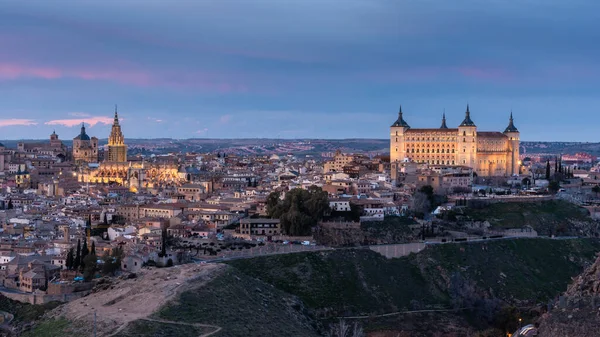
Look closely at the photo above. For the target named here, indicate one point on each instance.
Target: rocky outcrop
(577, 311)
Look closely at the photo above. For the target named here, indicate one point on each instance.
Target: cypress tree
(77, 261)
(560, 165)
(69, 262)
(555, 164)
(105, 219)
(548, 169)
(84, 252)
(10, 204)
(93, 250)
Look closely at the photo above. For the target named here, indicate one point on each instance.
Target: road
(323, 248)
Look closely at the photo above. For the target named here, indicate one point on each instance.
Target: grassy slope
(548, 217)
(242, 306)
(24, 312)
(147, 328)
(359, 281)
(345, 281)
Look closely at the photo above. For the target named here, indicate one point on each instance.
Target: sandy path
(137, 298)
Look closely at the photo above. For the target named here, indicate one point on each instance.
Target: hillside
(576, 312)
(483, 276)
(554, 217)
(301, 294)
(189, 300)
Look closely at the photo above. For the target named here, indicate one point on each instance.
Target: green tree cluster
(112, 261)
(300, 210)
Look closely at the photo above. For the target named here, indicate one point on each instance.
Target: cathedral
(117, 150)
(117, 170)
(487, 153)
(85, 149)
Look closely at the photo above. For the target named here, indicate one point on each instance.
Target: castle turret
(397, 147)
(444, 126)
(513, 135)
(467, 144)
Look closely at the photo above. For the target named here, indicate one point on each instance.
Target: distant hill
(313, 147)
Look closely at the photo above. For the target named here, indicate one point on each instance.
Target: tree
(112, 261)
(70, 259)
(93, 250)
(10, 204)
(428, 191)
(84, 252)
(420, 203)
(548, 170)
(105, 218)
(554, 186)
(90, 262)
(343, 329)
(300, 210)
(596, 189)
(77, 261)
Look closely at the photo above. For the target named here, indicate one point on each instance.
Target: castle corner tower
(467, 135)
(513, 135)
(397, 149)
(117, 150)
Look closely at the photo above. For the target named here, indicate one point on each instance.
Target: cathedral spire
(444, 126)
(116, 122)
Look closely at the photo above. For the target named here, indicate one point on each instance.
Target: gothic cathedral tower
(117, 150)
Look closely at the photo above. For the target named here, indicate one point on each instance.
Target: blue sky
(298, 69)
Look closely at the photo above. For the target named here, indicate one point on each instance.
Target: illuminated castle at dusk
(488, 153)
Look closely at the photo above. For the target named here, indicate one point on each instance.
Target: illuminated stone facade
(85, 149)
(488, 153)
(117, 150)
(133, 175)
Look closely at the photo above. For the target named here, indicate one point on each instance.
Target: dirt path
(131, 299)
(198, 325)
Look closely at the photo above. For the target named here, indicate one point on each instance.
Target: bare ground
(132, 299)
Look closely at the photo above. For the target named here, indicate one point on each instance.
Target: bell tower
(117, 150)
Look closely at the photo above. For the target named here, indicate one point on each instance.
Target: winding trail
(197, 325)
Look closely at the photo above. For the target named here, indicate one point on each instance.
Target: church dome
(83, 135)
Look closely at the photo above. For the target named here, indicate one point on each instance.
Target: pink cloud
(202, 131)
(17, 122)
(130, 76)
(225, 119)
(484, 73)
(78, 121)
(79, 114)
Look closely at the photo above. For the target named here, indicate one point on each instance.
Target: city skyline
(198, 70)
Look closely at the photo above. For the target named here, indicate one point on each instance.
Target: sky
(298, 68)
